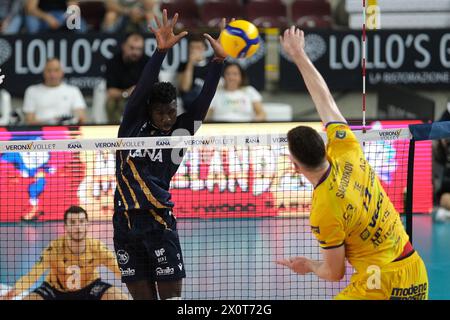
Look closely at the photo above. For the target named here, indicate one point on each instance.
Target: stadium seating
(311, 13)
(267, 13)
(213, 11)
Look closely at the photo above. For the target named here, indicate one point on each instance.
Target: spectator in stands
(45, 15)
(130, 15)
(11, 16)
(339, 12)
(122, 73)
(441, 158)
(54, 102)
(151, 9)
(191, 74)
(236, 101)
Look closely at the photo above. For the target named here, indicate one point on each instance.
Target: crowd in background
(235, 100)
(55, 102)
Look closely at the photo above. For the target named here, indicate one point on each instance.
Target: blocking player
(145, 234)
(351, 216)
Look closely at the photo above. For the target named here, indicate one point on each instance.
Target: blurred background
(407, 57)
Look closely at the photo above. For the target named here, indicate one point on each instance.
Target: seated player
(144, 225)
(72, 261)
(351, 215)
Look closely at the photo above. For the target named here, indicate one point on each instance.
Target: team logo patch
(122, 256)
(340, 134)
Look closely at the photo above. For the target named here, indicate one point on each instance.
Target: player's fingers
(283, 263)
(209, 38)
(181, 35)
(152, 29)
(151, 26)
(286, 33)
(158, 23)
(223, 23)
(292, 30)
(174, 20)
(164, 17)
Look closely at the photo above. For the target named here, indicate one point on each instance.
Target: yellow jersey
(350, 206)
(69, 271)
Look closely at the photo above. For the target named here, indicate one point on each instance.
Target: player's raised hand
(299, 265)
(219, 52)
(293, 42)
(165, 38)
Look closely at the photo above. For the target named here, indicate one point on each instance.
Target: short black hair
(307, 146)
(162, 93)
(133, 34)
(74, 209)
(244, 80)
(52, 59)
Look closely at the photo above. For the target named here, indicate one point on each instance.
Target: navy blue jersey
(143, 176)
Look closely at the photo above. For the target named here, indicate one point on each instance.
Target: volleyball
(240, 39)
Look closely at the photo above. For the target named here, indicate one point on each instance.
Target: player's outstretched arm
(332, 268)
(28, 280)
(199, 107)
(293, 43)
(165, 39)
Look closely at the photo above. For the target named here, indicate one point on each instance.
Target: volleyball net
(240, 204)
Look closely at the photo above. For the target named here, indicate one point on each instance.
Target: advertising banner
(212, 181)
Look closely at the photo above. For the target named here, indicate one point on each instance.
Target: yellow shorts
(406, 279)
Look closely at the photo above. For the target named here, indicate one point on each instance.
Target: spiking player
(351, 215)
(72, 263)
(145, 236)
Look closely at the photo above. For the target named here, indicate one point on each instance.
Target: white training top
(49, 104)
(235, 106)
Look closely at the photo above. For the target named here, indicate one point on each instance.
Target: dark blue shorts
(94, 291)
(147, 245)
